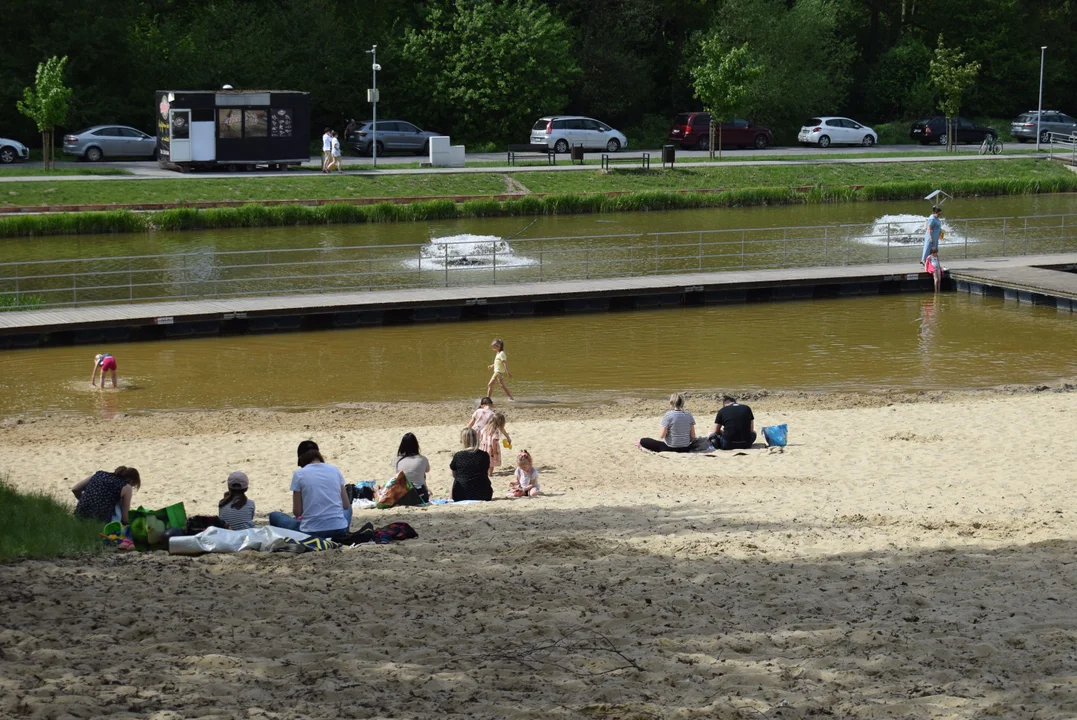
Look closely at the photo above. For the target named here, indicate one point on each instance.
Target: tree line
(485, 70)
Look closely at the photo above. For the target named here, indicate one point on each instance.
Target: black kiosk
(232, 129)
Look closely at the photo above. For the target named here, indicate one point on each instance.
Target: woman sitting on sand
(470, 466)
(319, 499)
(678, 429)
(106, 496)
(413, 465)
(235, 509)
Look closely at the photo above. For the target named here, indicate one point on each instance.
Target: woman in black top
(469, 470)
(106, 496)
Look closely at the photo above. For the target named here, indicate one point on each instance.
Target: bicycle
(991, 145)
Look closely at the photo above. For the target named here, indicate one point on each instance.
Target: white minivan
(827, 131)
(560, 132)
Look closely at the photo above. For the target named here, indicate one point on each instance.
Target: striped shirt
(678, 424)
(241, 519)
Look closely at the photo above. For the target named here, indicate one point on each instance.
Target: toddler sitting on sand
(525, 481)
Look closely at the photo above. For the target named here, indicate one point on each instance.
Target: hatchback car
(560, 132)
(103, 141)
(692, 131)
(933, 130)
(12, 151)
(1024, 127)
(827, 131)
(393, 136)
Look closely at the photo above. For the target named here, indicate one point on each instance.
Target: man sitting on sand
(734, 426)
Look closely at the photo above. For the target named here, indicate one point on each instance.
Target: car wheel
(613, 145)
(868, 141)
(94, 154)
(1045, 136)
(424, 150)
(381, 148)
(942, 139)
(7, 155)
(824, 141)
(561, 146)
(704, 142)
(760, 142)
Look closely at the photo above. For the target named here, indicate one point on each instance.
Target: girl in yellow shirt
(500, 368)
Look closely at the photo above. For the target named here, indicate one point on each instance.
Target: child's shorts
(108, 364)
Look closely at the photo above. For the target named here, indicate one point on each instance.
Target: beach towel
(394, 531)
(308, 544)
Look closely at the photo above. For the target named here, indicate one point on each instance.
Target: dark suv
(933, 130)
(692, 131)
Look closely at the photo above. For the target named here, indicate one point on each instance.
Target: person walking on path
(930, 257)
(337, 160)
(734, 426)
(327, 149)
(106, 364)
(500, 367)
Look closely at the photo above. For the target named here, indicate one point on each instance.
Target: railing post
(826, 259)
(130, 284)
(1026, 236)
(888, 243)
(446, 264)
(587, 259)
(1061, 233)
(785, 247)
(742, 248)
(1003, 237)
(495, 263)
(701, 250)
(16, 283)
(540, 265)
(655, 254)
(74, 288)
(419, 279)
(370, 273)
(184, 281)
(966, 238)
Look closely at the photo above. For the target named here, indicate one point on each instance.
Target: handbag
(776, 435)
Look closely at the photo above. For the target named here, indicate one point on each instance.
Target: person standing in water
(930, 256)
(500, 368)
(106, 364)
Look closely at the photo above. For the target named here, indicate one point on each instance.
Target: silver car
(560, 132)
(1024, 127)
(102, 141)
(393, 136)
(12, 151)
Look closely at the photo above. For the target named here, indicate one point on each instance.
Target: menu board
(280, 122)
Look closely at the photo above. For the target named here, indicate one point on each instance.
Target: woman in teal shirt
(930, 256)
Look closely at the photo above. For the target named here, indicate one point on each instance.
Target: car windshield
(541, 125)
(681, 120)
(813, 122)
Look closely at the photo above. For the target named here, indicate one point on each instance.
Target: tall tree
(47, 103)
(722, 81)
(951, 76)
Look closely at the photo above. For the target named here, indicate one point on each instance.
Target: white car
(827, 131)
(12, 150)
(561, 132)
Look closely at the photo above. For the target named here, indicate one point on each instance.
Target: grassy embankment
(562, 193)
(23, 171)
(37, 526)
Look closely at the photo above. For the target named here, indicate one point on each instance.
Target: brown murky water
(902, 342)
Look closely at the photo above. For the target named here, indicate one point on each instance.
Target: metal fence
(467, 261)
(1061, 146)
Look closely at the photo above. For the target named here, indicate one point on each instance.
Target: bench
(516, 150)
(644, 160)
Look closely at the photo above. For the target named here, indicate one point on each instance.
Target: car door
(109, 140)
(136, 144)
(854, 131)
(1066, 124)
(835, 128)
(966, 132)
(410, 137)
(576, 133)
(597, 134)
(736, 131)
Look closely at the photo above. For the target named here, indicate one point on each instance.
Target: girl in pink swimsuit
(106, 364)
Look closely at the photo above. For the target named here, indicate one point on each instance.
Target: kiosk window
(254, 123)
(229, 123)
(280, 122)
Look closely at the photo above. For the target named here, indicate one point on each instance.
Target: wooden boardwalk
(323, 310)
(1040, 283)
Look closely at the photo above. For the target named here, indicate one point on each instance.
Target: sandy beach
(906, 556)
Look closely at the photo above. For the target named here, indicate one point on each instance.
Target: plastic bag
(776, 435)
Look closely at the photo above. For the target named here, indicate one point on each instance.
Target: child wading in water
(105, 363)
(490, 439)
(525, 482)
(500, 368)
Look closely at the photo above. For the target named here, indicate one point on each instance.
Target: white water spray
(467, 251)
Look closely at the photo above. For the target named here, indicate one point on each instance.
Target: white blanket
(215, 539)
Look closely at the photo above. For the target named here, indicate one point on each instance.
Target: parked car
(692, 131)
(1024, 127)
(933, 130)
(827, 131)
(12, 151)
(393, 136)
(101, 141)
(560, 132)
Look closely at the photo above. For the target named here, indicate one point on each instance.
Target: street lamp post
(374, 67)
(1039, 109)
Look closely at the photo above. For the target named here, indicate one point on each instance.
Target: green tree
(722, 82)
(488, 68)
(951, 76)
(46, 104)
(898, 86)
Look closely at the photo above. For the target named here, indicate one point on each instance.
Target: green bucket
(113, 528)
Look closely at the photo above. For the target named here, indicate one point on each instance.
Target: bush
(35, 525)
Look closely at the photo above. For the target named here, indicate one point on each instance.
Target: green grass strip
(34, 525)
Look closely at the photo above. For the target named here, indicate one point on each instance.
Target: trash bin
(669, 154)
(577, 153)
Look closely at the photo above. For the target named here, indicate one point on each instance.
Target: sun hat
(238, 480)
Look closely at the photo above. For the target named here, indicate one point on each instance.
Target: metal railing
(450, 263)
(1061, 146)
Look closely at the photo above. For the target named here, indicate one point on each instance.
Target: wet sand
(906, 556)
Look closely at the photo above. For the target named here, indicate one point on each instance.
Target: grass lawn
(97, 192)
(37, 526)
(21, 171)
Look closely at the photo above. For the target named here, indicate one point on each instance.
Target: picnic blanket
(222, 540)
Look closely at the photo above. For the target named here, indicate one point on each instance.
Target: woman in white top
(320, 501)
(414, 465)
(678, 429)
